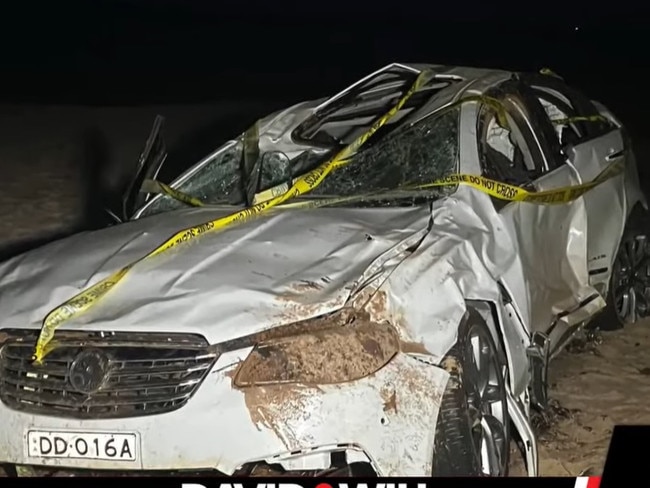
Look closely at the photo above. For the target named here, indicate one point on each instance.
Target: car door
(591, 145)
(551, 240)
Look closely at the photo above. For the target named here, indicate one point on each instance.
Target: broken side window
(504, 153)
(557, 112)
(568, 110)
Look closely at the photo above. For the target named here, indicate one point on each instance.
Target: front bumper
(386, 419)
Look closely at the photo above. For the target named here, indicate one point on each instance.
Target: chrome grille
(144, 374)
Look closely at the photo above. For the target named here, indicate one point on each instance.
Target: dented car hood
(280, 268)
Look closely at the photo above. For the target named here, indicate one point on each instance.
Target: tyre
(628, 296)
(473, 427)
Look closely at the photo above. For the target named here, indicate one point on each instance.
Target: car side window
(508, 154)
(573, 116)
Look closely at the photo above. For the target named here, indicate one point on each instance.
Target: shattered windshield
(410, 155)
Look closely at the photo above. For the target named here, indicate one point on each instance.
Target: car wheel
(628, 297)
(473, 429)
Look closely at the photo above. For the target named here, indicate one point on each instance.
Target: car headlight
(327, 356)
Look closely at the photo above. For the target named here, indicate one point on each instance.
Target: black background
(173, 51)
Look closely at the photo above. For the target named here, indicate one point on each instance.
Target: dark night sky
(127, 52)
(143, 51)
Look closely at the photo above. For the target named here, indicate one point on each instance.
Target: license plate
(78, 445)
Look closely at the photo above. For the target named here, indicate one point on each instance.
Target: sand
(595, 384)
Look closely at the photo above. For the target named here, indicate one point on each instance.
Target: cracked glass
(409, 155)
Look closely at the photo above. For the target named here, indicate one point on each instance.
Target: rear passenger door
(590, 145)
(551, 239)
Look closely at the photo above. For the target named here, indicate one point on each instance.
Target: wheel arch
(504, 335)
(634, 194)
(636, 210)
(518, 402)
(488, 311)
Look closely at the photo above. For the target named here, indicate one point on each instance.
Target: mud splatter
(282, 409)
(232, 372)
(294, 312)
(299, 289)
(413, 348)
(419, 388)
(389, 397)
(452, 366)
(340, 318)
(322, 357)
(377, 307)
(304, 300)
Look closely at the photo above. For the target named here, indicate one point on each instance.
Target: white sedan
(395, 319)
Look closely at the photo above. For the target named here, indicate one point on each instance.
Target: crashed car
(401, 266)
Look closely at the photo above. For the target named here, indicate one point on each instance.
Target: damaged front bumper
(385, 422)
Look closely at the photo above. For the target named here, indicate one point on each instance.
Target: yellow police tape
(511, 193)
(251, 151)
(579, 118)
(84, 300)
(302, 185)
(494, 188)
(501, 190)
(491, 102)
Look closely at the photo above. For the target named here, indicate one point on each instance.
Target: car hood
(279, 268)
